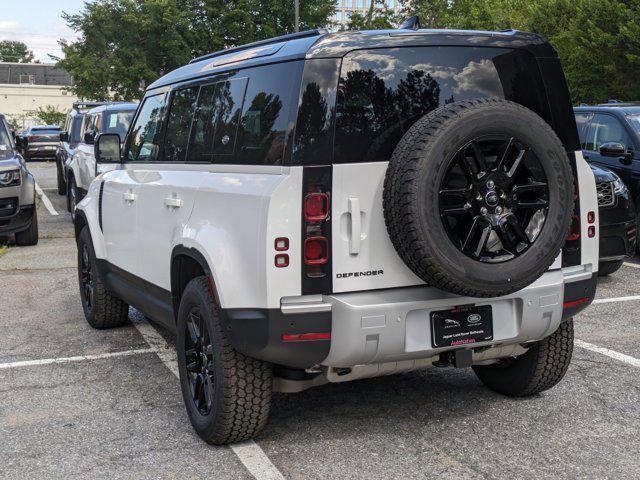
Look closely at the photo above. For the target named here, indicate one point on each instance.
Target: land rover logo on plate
(474, 318)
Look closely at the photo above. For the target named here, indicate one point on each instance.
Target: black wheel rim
(199, 362)
(494, 198)
(86, 277)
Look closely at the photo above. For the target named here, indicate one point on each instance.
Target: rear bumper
(385, 326)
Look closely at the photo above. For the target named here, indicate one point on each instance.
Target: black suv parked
(617, 220)
(610, 137)
(70, 138)
(39, 142)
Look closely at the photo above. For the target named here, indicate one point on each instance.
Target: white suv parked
(324, 207)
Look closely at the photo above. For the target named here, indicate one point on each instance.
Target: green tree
(49, 115)
(378, 17)
(127, 44)
(12, 51)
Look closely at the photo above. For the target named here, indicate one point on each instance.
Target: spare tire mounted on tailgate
(478, 197)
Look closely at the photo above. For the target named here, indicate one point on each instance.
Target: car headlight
(10, 178)
(618, 185)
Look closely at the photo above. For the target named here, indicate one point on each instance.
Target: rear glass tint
(382, 92)
(45, 131)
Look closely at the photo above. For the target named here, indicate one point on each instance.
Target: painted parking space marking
(47, 203)
(621, 357)
(250, 454)
(629, 264)
(79, 358)
(631, 298)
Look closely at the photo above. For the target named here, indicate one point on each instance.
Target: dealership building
(24, 87)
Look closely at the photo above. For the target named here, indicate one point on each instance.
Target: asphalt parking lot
(80, 403)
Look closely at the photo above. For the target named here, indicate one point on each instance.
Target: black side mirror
(612, 149)
(107, 148)
(64, 136)
(89, 137)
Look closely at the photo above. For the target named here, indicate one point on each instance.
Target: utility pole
(297, 2)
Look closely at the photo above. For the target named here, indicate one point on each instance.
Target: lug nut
(484, 211)
(479, 198)
(490, 184)
(503, 196)
(498, 210)
(467, 206)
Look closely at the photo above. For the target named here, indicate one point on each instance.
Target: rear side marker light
(575, 303)
(282, 260)
(591, 231)
(316, 251)
(306, 337)
(591, 217)
(282, 244)
(316, 207)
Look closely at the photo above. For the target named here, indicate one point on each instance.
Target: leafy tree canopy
(127, 44)
(17, 52)
(49, 115)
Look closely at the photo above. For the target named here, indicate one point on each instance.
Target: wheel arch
(188, 263)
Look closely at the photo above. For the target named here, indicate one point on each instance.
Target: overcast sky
(38, 23)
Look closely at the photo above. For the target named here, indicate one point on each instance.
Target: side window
(606, 128)
(265, 122)
(215, 126)
(179, 121)
(145, 134)
(118, 122)
(76, 127)
(582, 122)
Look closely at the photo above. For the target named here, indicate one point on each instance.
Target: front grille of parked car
(606, 197)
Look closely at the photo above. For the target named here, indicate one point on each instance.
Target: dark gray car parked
(17, 192)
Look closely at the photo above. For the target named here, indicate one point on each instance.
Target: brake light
(31, 138)
(316, 251)
(591, 217)
(282, 260)
(316, 207)
(591, 231)
(306, 337)
(316, 230)
(575, 303)
(574, 229)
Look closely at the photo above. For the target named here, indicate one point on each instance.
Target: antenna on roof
(411, 23)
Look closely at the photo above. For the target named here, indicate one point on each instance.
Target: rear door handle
(356, 226)
(129, 196)
(173, 202)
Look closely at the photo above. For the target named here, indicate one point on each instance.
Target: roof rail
(81, 104)
(283, 38)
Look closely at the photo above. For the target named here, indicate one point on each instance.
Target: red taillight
(574, 229)
(316, 251)
(306, 337)
(282, 260)
(31, 138)
(281, 244)
(316, 207)
(591, 231)
(591, 217)
(575, 303)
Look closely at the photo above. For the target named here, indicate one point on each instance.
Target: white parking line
(81, 358)
(629, 264)
(250, 454)
(46, 201)
(609, 353)
(617, 299)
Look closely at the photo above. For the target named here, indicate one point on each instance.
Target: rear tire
(607, 268)
(228, 395)
(62, 185)
(101, 309)
(540, 369)
(72, 198)
(29, 237)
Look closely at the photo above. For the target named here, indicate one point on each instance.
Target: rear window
(381, 93)
(45, 131)
(118, 122)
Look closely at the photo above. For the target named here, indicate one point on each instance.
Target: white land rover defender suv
(324, 207)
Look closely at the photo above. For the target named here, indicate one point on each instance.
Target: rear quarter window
(382, 92)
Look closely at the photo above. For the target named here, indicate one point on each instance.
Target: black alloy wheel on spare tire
(478, 197)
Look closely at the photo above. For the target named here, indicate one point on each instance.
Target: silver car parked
(17, 192)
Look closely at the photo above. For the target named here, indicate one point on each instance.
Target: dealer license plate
(461, 326)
